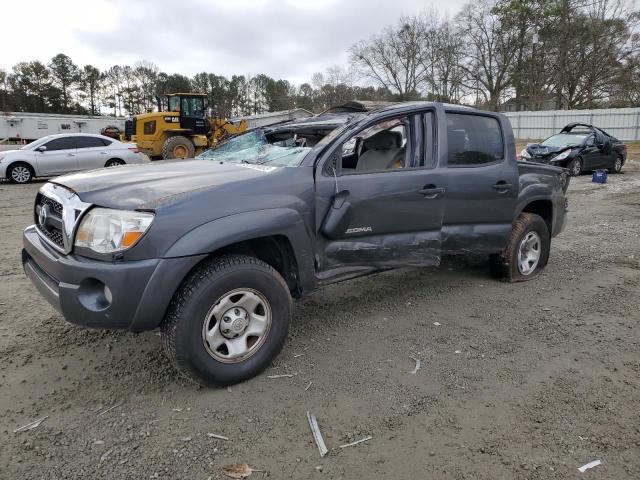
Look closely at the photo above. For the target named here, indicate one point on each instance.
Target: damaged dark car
(579, 147)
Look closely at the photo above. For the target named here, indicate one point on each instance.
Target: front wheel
(575, 167)
(527, 252)
(178, 147)
(19, 173)
(228, 321)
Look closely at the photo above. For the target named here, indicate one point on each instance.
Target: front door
(58, 158)
(592, 157)
(378, 205)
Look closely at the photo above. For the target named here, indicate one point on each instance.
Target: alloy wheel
(20, 174)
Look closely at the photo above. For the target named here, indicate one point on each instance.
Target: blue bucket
(599, 176)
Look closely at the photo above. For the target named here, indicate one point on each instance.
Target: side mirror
(41, 148)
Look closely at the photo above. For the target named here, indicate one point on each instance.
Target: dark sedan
(579, 147)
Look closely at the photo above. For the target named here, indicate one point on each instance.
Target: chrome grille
(56, 213)
(51, 224)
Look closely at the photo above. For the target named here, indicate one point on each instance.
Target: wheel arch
(542, 207)
(279, 237)
(115, 158)
(13, 163)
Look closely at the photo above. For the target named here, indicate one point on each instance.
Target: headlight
(525, 154)
(561, 156)
(104, 230)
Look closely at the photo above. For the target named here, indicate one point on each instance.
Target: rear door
(58, 158)
(379, 200)
(92, 152)
(481, 183)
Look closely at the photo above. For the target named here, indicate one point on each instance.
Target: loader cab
(192, 109)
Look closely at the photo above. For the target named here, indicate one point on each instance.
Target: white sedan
(60, 154)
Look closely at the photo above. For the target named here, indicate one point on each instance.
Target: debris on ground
(215, 435)
(308, 386)
(417, 367)
(458, 351)
(283, 375)
(32, 425)
(437, 324)
(365, 439)
(240, 470)
(110, 408)
(589, 465)
(317, 436)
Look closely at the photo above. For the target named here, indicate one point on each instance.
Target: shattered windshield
(253, 147)
(564, 140)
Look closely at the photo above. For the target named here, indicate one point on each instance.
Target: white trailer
(22, 126)
(269, 118)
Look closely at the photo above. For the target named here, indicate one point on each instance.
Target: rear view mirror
(41, 148)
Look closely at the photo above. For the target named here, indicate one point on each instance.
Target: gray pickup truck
(213, 250)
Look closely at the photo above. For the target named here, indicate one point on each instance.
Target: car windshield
(254, 147)
(564, 140)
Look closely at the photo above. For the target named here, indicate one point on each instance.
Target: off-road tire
(22, 179)
(613, 168)
(178, 142)
(505, 265)
(114, 162)
(181, 330)
(573, 170)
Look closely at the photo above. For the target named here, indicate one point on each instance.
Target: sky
(288, 39)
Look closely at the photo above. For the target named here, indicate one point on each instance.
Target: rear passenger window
(473, 140)
(89, 142)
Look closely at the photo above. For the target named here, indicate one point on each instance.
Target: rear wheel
(20, 173)
(228, 321)
(617, 165)
(114, 162)
(178, 147)
(527, 252)
(575, 167)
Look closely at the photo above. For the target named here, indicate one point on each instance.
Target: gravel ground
(518, 381)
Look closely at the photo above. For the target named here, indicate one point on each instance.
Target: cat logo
(359, 230)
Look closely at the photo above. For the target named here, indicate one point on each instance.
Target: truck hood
(152, 185)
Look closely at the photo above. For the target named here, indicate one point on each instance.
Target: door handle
(72, 154)
(431, 191)
(502, 187)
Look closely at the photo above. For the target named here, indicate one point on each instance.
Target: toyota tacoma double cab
(213, 250)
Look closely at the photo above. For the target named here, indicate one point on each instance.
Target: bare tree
(490, 51)
(393, 59)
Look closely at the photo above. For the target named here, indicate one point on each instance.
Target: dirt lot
(525, 381)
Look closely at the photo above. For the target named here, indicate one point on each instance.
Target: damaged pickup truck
(213, 250)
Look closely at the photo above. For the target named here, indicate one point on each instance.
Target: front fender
(225, 231)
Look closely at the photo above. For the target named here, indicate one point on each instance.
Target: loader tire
(178, 147)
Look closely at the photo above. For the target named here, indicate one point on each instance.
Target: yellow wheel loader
(180, 128)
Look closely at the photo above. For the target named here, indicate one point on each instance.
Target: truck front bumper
(132, 295)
